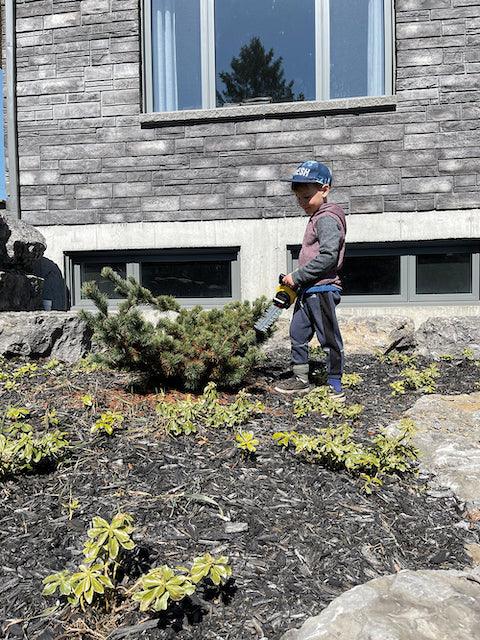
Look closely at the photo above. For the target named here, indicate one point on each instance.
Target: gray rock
(364, 334)
(20, 292)
(24, 247)
(55, 334)
(409, 605)
(4, 236)
(448, 437)
(437, 336)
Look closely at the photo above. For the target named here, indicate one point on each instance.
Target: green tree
(255, 73)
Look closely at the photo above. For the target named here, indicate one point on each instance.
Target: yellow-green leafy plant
(10, 385)
(17, 413)
(71, 506)
(24, 452)
(423, 380)
(398, 388)
(446, 357)
(108, 422)
(321, 400)
(335, 448)
(87, 401)
(50, 419)
(161, 585)
(246, 441)
(53, 363)
(98, 571)
(350, 380)
(29, 370)
(217, 570)
(184, 416)
(397, 358)
(468, 354)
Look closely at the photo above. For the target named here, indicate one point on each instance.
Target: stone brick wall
(84, 157)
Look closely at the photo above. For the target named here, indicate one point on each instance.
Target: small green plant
(108, 422)
(185, 416)
(468, 354)
(87, 401)
(161, 585)
(89, 365)
(50, 419)
(397, 358)
(17, 413)
(29, 370)
(321, 401)
(398, 388)
(246, 441)
(446, 357)
(416, 380)
(334, 447)
(51, 364)
(153, 591)
(24, 452)
(350, 380)
(71, 506)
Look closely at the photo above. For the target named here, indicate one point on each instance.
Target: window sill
(275, 110)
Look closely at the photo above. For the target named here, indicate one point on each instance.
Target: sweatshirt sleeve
(328, 234)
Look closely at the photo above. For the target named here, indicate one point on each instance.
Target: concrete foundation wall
(87, 158)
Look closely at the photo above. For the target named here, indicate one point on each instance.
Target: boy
(316, 279)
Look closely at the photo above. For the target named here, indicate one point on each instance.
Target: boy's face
(310, 196)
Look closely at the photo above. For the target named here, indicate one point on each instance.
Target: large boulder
(437, 336)
(23, 247)
(448, 437)
(55, 334)
(409, 605)
(20, 292)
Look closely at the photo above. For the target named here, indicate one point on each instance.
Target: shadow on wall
(54, 288)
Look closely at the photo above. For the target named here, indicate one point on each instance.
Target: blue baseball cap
(312, 171)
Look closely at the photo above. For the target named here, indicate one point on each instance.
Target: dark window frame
(408, 251)
(133, 259)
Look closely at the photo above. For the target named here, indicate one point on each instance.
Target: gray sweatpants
(315, 314)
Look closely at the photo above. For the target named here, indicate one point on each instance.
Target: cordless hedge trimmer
(284, 297)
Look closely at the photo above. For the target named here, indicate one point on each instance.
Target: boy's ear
(325, 190)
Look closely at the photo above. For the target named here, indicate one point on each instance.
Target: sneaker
(339, 395)
(335, 387)
(293, 385)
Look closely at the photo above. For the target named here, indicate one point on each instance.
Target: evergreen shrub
(187, 351)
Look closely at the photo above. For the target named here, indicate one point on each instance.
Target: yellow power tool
(284, 297)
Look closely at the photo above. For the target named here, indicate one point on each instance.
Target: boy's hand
(288, 280)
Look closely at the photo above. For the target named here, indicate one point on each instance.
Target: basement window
(206, 276)
(413, 273)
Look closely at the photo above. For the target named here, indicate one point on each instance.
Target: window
(209, 277)
(215, 53)
(397, 273)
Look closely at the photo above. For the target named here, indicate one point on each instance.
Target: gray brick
(418, 30)
(29, 24)
(104, 176)
(302, 138)
(443, 112)
(38, 177)
(386, 132)
(150, 148)
(32, 203)
(415, 5)
(99, 73)
(427, 185)
(365, 204)
(235, 143)
(126, 96)
(55, 85)
(459, 165)
(205, 201)
(94, 191)
(251, 174)
(132, 189)
(94, 6)
(421, 58)
(458, 201)
(161, 203)
(77, 110)
(354, 150)
(57, 20)
(420, 141)
(246, 189)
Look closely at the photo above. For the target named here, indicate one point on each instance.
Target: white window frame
(207, 52)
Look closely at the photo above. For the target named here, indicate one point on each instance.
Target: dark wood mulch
(297, 535)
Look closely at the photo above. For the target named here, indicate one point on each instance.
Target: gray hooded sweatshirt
(323, 248)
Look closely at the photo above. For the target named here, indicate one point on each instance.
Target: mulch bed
(297, 535)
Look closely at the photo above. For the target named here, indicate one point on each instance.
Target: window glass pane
(188, 279)
(91, 271)
(444, 273)
(176, 55)
(357, 48)
(371, 275)
(265, 49)
(3, 193)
